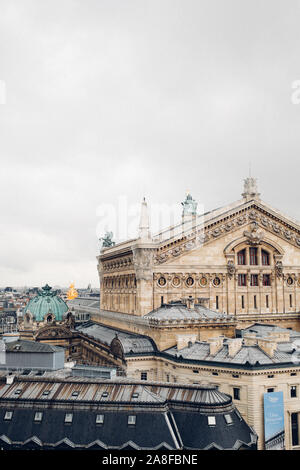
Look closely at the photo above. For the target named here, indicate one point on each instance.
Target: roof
(264, 330)
(46, 302)
(131, 343)
(24, 346)
(246, 356)
(168, 416)
(84, 302)
(179, 311)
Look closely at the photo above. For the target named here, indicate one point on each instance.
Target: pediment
(257, 219)
(53, 332)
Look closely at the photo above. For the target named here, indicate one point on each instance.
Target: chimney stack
(215, 345)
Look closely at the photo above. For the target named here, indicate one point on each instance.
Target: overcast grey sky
(131, 98)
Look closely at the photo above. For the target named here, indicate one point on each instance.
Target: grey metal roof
(264, 330)
(84, 302)
(200, 351)
(20, 346)
(179, 311)
(131, 343)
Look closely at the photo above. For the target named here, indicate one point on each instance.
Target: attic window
(131, 420)
(228, 419)
(211, 420)
(18, 391)
(99, 419)
(75, 394)
(104, 395)
(68, 417)
(38, 416)
(46, 392)
(8, 415)
(135, 395)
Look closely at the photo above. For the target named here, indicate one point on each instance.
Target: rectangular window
(266, 280)
(254, 301)
(270, 390)
(143, 375)
(211, 420)
(38, 417)
(131, 420)
(228, 419)
(242, 279)
(99, 419)
(291, 300)
(254, 280)
(295, 429)
(253, 256)
(243, 302)
(8, 415)
(241, 257)
(236, 393)
(267, 301)
(68, 417)
(293, 391)
(217, 302)
(265, 258)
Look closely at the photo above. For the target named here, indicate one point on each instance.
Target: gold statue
(72, 292)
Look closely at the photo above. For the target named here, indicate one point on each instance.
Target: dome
(46, 302)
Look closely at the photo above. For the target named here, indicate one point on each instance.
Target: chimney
(215, 345)
(280, 337)
(268, 346)
(234, 346)
(190, 303)
(250, 339)
(185, 340)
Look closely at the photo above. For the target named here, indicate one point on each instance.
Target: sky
(104, 102)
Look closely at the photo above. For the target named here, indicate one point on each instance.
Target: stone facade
(244, 258)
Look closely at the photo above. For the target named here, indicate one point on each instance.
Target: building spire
(144, 227)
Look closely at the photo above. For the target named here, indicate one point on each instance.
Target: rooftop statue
(189, 205)
(72, 292)
(107, 240)
(47, 291)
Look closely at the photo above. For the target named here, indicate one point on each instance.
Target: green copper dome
(46, 303)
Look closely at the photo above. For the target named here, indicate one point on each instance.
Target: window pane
(131, 419)
(254, 279)
(211, 420)
(241, 257)
(253, 256)
(265, 259)
(295, 430)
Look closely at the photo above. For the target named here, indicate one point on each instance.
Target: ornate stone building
(47, 319)
(243, 258)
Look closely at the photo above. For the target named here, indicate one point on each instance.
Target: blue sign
(274, 420)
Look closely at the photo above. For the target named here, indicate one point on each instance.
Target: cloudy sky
(105, 101)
